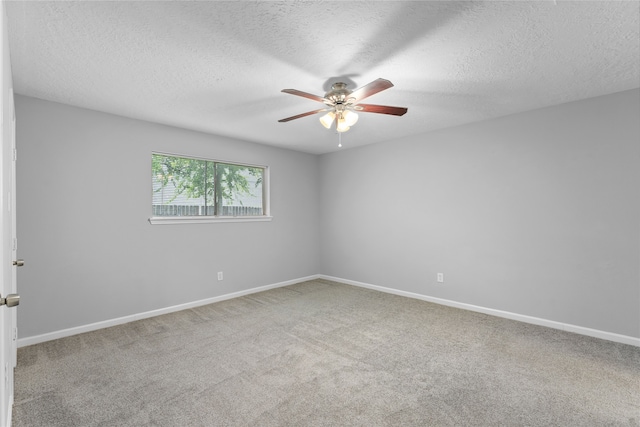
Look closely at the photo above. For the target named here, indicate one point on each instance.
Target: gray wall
(84, 197)
(536, 213)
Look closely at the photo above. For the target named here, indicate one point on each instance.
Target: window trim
(170, 220)
(208, 219)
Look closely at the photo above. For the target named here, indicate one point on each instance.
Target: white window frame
(210, 219)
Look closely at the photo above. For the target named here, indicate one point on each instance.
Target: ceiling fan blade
(309, 113)
(304, 94)
(370, 89)
(381, 109)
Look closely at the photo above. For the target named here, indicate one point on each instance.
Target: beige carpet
(326, 354)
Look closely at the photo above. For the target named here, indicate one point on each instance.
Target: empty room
(320, 213)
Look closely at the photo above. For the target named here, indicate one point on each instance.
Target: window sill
(167, 220)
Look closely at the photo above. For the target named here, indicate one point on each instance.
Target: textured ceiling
(218, 67)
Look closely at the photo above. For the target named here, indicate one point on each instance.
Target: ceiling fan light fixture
(350, 118)
(327, 119)
(342, 125)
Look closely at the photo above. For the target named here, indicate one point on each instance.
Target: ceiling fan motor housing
(338, 94)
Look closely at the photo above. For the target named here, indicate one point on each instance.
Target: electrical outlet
(440, 277)
(220, 275)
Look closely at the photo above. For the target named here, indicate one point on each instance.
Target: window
(186, 189)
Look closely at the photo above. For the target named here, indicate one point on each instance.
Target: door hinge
(15, 154)
(15, 334)
(15, 243)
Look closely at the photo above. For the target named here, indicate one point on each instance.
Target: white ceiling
(219, 67)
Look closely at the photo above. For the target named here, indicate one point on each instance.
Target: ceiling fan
(342, 104)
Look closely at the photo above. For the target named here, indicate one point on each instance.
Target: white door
(15, 262)
(8, 331)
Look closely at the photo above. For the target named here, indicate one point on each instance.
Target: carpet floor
(320, 353)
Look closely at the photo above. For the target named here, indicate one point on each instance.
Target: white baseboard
(23, 342)
(624, 339)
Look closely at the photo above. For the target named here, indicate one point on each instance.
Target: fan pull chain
(339, 139)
